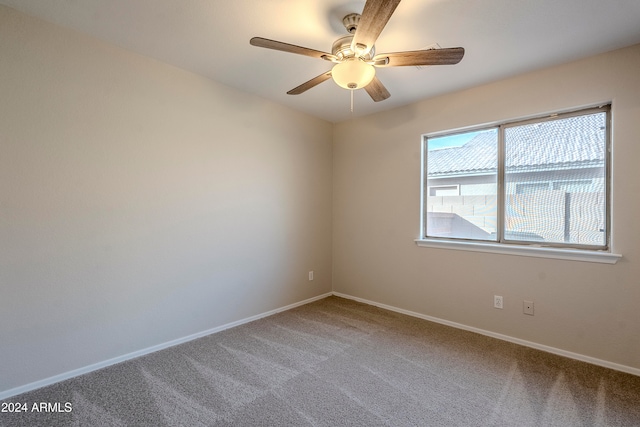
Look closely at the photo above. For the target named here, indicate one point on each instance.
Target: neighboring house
(554, 181)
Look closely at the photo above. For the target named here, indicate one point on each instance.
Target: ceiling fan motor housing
(342, 49)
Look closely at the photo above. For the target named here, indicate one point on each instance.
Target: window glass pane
(461, 192)
(555, 181)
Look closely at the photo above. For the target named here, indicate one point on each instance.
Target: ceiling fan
(354, 55)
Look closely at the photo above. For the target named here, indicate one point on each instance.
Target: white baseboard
(94, 367)
(548, 349)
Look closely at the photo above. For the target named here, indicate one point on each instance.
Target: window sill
(530, 251)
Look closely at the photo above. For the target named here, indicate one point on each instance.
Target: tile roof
(567, 143)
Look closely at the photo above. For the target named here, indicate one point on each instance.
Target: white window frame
(531, 249)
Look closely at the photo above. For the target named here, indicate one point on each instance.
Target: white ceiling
(211, 38)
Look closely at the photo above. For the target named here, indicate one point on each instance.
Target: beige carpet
(337, 362)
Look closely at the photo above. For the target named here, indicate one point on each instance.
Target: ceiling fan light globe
(353, 74)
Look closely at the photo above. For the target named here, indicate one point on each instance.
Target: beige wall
(589, 309)
(140, 203)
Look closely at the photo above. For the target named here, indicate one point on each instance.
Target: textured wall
(589, 309)
(140, 203)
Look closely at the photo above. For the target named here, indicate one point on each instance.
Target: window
(542, 182)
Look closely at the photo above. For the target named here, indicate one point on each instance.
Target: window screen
(555, 181)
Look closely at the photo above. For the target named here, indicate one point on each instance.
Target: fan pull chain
(351, 100)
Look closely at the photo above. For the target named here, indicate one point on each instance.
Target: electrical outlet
(310, 275)
(527, 307)
(497, 301)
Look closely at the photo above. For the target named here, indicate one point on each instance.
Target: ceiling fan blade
(374, 17)
(291, 48)
(311, 83)
(447, 56)
(376, 90)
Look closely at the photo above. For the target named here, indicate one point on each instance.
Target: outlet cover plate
(498, 302)
(527, 307)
